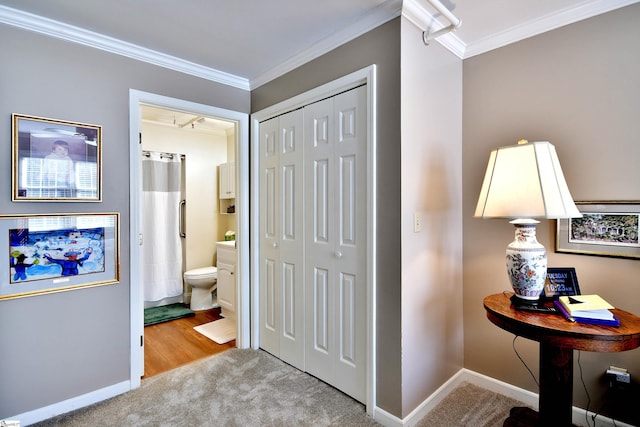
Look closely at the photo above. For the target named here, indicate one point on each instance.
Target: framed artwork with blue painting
(53, 253)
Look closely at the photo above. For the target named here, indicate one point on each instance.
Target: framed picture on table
(605, 229)
(55, 160)
(53, 253)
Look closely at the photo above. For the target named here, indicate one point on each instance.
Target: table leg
(556, 392)
(556, 385)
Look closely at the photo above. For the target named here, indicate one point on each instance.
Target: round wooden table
(558, 338)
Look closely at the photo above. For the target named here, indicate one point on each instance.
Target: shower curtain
(161, 244)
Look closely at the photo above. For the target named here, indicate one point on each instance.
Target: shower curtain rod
(427, 36)
(163, 155)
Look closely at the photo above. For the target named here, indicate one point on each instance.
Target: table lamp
(524, 182)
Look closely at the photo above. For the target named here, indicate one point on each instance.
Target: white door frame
(136, 99)
(364, 76)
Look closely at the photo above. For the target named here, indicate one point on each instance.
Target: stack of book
(587, 309)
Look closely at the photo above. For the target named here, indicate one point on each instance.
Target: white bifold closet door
(281, 238)
(313, 239)
(336, 241)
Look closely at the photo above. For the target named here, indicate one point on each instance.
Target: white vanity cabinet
(227, 289)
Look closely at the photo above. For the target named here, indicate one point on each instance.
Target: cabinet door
(231, 180)
(227, 185)
(227, 286)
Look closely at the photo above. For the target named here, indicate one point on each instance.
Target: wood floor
(171, 344)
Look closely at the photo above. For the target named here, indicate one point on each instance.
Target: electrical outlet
(417, 222)
(623, 378)
(621, 375)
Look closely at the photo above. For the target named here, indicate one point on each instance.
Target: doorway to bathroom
(181, 155)
(207, 137)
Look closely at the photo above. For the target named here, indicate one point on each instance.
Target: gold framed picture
(58, 252)
(55, 160)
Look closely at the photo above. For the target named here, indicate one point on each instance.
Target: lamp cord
(584, 385)
(523, 362)
(586, 412)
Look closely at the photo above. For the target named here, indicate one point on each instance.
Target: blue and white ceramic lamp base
(526, 261)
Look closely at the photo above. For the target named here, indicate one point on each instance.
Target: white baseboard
(72, 404)
(389, 420)
(465, 375)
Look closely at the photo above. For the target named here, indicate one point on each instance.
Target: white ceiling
(246, 43)
(186, 122)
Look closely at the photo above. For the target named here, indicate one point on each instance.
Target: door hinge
(141, 341)
(140, 138)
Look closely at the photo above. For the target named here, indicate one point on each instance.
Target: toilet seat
(202, 273)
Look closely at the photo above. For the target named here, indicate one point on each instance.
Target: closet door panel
(349, 267)
(269, 191)
(291, 239)
(347, 197)
(335, 147)
(319, 211)
(282, 237)
(289, 324)
(269, 274)
(320, 337)
(347, 319)
(269, 290)
(319, 246)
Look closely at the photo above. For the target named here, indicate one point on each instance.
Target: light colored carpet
(470, 406)
(221, 330)
(234, 388)
(252, 388)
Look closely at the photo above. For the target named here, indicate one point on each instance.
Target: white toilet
(202, 281)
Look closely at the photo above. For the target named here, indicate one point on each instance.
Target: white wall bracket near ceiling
(429, 35)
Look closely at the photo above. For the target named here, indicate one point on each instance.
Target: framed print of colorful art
(53, 253)
(605, 229)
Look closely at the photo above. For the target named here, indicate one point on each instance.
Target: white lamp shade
(525, 181)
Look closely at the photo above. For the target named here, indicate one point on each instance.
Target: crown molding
(413, 10)
(378, 16)
(545, 23)
(60, 30)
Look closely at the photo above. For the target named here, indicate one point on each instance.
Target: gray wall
(432, 335)
(381, 47)
(62, 345)
(576, 87)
